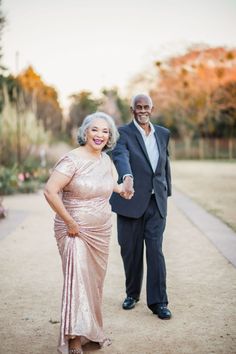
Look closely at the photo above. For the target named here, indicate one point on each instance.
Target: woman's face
(97, 134)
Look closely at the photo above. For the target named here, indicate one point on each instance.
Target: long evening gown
(84, 258)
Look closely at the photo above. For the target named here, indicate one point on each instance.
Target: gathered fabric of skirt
(84, 258)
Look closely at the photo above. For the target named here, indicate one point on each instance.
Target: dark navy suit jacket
(130, 157)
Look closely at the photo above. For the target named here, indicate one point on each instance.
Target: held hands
(127, 191)
(72, 228)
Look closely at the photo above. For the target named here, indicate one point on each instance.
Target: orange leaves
(32, 83)
(42, 98)
(196, 86)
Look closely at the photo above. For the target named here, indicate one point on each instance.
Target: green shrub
(30, 186)
(3, 212)
(27, 179)
(8, 180)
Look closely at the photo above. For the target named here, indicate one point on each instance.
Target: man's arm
(120, 156)
(168, 171)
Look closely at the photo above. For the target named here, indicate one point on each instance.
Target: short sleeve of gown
(66, 166)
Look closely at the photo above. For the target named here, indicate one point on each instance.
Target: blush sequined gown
(84, 258)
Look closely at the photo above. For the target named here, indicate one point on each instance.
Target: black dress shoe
(129, 303)
(162, 312)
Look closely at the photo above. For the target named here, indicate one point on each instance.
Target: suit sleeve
(168, 171)
(120, 156)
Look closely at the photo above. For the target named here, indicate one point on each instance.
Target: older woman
(78, 191)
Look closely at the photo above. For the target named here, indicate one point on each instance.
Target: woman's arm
(117, 187)
(55, 184)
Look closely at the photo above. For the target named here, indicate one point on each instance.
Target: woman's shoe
(76, 351)
(106, 342)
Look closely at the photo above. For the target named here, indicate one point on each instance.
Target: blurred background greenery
(194, 95)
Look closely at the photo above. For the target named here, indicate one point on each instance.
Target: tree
(224, 109)
(2, 24)
(21, 131)
(184, 88)
(42, 99)
(115, 106)
(82, 104)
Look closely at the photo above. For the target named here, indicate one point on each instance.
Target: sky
(79, 45)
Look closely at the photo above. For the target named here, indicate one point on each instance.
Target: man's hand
(127, 188)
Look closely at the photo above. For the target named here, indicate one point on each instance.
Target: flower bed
(24, 180)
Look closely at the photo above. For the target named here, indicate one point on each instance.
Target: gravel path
(201, 287)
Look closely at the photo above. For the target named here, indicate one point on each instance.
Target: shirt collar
(141, 129)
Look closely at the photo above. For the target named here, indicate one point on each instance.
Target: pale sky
(89, 44)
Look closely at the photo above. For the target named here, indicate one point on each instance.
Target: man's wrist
(128, 175)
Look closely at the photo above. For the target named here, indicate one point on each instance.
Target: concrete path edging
(222, 236)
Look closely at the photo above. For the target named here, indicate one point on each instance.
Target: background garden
(194, 95)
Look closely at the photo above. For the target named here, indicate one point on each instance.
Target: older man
(141, 159)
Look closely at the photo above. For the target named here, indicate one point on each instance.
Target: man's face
(142, 110)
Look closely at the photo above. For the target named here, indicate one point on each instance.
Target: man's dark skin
(142, 219)
(141, 112)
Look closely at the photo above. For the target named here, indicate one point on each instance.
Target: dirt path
(201, 287)
(210, 183)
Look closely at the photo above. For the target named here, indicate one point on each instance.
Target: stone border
(222, 236)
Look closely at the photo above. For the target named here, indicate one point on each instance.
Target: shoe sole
(128, 308)
(164, 318)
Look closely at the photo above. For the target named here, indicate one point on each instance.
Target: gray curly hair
(88, 120)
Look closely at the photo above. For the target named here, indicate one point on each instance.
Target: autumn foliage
(195, 93)
(42, 99)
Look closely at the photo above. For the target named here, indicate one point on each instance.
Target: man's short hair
(140, 95)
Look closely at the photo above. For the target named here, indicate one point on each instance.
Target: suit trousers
(132, 233)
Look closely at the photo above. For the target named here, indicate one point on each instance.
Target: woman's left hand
(73, 229)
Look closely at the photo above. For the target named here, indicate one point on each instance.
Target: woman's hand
(72, 229)
(127, 188)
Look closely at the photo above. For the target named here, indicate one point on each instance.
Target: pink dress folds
(84, 258)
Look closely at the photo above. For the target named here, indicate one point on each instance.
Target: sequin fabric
(84, 258)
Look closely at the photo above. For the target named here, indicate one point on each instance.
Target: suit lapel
(159, 148)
